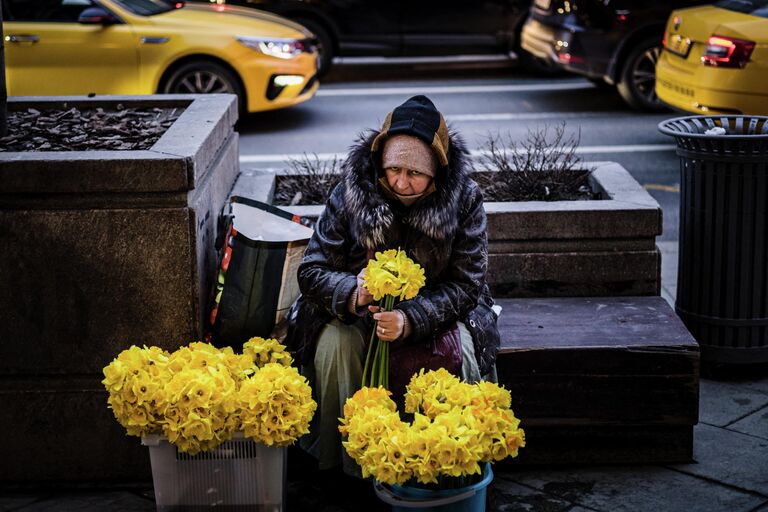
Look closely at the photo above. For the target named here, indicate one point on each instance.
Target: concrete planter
(578, 248)
(561, 248)
(101, 250)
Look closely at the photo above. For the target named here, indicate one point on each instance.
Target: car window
(45, 10)
(147, 7)
(753, 7)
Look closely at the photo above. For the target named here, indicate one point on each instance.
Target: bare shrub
(310, 181)
(539, 168)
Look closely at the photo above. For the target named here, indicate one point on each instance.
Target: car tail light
(567, 58)
(727, 52)
(664, 39)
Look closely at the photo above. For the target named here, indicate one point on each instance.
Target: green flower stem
(385, 365)
(375, 365)
(376, 368)
(368, 362)
(389, 305)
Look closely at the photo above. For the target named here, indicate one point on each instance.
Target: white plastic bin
(238, 475)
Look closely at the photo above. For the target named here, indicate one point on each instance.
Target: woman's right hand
(363, 297)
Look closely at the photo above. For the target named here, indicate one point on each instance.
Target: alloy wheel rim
(202, 82)
(644, 75)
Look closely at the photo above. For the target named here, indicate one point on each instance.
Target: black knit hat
(417, 117)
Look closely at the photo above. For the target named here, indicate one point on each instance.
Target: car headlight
(274, 47)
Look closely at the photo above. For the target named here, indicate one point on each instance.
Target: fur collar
(372, 215)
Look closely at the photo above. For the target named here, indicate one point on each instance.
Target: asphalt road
(479, 104)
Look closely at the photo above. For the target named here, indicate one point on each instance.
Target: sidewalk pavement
(729, 473)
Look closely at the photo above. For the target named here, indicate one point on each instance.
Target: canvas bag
(256, 279)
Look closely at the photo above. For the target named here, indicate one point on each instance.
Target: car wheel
(202, 77)
(637, 84)
(325, 44)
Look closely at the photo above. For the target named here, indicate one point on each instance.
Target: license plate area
(679, 45)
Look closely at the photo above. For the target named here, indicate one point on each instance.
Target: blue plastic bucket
(465, 499)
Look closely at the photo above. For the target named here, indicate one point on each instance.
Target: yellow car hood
(230, 19)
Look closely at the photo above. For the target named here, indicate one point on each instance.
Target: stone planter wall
(102, 250)
(563, 248)
(578, 248)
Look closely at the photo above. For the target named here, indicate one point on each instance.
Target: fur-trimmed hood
(372, 214)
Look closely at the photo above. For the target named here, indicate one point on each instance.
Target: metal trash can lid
(718, 136)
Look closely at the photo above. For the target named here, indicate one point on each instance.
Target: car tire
(202, 77)
(325, 44)
(637, 83)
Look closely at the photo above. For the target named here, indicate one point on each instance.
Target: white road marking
(449, 59)
(529, 116)
(453, 89)
(591, 150)
(663, 188)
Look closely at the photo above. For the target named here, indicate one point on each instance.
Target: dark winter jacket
(445, 232)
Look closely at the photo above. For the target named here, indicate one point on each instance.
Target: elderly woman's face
(409, 164)
(407, 181)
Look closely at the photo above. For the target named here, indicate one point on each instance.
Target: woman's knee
(338, 344)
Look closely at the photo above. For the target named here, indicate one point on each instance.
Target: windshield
(147, 7)
(753, 7)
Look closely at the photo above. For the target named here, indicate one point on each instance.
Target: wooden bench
(600, 380)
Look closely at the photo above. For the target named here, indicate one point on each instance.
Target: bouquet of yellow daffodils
(455, 427)
(199, 395)
(390, 276)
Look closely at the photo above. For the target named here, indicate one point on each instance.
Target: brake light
(727, 52)
(664, 39)
(567, 58)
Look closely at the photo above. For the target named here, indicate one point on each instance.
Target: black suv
(609, 41)
(403, 28)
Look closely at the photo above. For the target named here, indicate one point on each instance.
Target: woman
(406, 186)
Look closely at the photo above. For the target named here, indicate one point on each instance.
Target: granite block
(565, 443)
(603, 379)
(79, 286)
(62, 430)
(196, 136)
(585, 273)
(255, 184)
(103, 250)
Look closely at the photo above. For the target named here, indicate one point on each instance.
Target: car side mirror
(96, 16)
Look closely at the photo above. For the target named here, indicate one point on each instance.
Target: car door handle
(22, 38)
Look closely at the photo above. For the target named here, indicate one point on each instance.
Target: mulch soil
(75, 129)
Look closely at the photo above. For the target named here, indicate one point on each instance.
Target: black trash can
(722, 280)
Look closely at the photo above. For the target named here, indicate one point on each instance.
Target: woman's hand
(363, 297)
(390, 325)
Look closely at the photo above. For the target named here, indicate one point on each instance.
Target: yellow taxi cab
(715, 59)
(73, 47)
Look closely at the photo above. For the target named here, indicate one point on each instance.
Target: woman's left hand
(390, 323)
